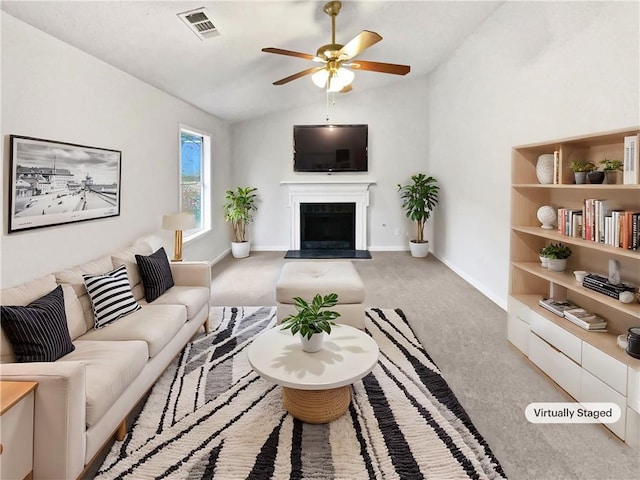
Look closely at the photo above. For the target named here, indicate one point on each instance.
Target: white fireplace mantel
(335, 191)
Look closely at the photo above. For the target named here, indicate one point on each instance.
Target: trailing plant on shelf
(312, 317)
(582, 166)
(557, 254)
(557, 251)
(611, 165)
(419, 198)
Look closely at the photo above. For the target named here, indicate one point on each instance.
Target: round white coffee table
(315, 386)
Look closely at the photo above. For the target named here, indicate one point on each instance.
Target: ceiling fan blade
(359, 44)
(295, 76)
(346, 89)
(291, 53)
(380, 67)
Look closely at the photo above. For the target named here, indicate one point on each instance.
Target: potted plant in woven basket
(419, 198)
(238, 209)
(313, 320)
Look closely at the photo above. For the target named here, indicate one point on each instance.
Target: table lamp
(178, 221)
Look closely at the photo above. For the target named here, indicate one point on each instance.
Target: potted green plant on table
(419, 198)
(238, 209)
(611, 170)
(557, 255)
(580, 169)
(313, 320)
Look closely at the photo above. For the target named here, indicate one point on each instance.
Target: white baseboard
(221, 256)
(393, 248)
(501, 302)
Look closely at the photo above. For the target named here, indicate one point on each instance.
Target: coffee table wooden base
(316, 406)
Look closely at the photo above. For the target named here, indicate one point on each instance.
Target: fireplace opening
(327, 226)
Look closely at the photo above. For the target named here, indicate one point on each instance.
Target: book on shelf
(555, 306)
(631, 163)
(585, 319)
(556, 167)
(601, 284)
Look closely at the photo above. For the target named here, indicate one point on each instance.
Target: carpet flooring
(211, 416)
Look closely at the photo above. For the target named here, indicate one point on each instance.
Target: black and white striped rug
(211, 416)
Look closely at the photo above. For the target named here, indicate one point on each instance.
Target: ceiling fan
(335, 74)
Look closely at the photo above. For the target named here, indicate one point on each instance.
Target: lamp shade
(333, 81)
(178, 221)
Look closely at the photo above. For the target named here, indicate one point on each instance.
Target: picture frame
(56, 183)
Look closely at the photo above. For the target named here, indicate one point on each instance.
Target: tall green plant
(419, 198)
(238, 209)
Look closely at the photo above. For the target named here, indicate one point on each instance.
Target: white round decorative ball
(547, 217)
(626, 297)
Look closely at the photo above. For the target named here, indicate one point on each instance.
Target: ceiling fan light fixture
(333, 81)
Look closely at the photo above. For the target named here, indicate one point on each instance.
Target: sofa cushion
(194, 298)
(128, 259)
(110, 368)
(156, 274)
(38, 332)
(154, 324)
(110, 295)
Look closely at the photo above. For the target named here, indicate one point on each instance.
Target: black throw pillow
(156, 274)
(38, 332)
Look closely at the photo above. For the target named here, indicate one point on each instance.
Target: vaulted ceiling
(228, 75)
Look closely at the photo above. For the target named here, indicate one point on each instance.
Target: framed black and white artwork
(54, 183)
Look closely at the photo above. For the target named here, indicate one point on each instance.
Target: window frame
(205, 180)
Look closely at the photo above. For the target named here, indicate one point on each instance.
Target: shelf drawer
(518, 333)
(632, 432)
(564, 371)
(633, 389)
(564, 341)
(518, 309)
(594, 390)
(606, 368)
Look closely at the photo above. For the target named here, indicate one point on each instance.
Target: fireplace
(329, 193)
(327, 226)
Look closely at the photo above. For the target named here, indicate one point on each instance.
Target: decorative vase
(595, 177)
(547, 217)
(544, 168)
(419, 250)
(313, 344)
(557, 264)
(581, 177)
(240, 249)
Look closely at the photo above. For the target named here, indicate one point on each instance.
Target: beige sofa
(83, 398)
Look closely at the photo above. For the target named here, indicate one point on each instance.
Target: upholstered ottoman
(306, 279)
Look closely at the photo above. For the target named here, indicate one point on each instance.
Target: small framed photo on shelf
(55, 183)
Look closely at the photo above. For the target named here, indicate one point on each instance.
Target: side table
(16, 433)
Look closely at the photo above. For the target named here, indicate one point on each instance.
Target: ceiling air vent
(199, 23)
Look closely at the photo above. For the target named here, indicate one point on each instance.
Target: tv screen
(330, 148)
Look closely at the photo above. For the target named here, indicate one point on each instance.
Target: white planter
(419, 250)
(240, 249)
(557, 264)
(313, 344)
(544, 261)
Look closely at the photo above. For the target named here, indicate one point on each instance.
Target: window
(195, 158)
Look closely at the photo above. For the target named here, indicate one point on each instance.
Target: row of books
(597, 222)
(576, 315)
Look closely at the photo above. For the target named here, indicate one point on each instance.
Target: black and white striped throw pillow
(38, 332)
(110, 295)
(156, 274)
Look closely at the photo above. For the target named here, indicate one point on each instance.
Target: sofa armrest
(191, 274)
(59, 415)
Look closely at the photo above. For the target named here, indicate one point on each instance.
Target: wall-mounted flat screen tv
(330, 148)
